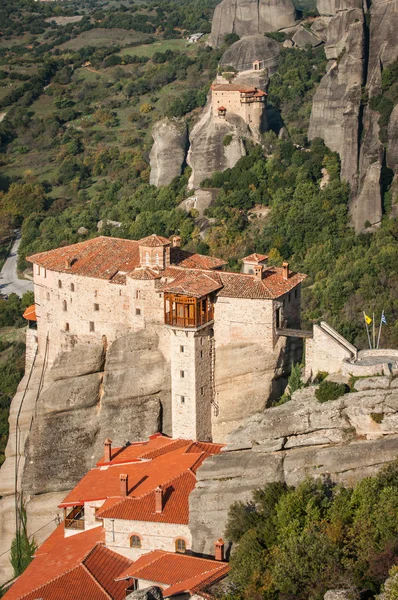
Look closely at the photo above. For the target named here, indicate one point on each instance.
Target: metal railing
(173, 319)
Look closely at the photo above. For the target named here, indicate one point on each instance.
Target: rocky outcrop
(250, 17)
(208, 152)
(168, 153)
(343, 439)
(244, 52)
(358, 49)
(303, 38)
(337, 100)
(66, 411)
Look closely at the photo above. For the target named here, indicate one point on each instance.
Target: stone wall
(326, 351)
(154, 536)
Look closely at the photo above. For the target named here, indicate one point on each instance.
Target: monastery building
(218, 330)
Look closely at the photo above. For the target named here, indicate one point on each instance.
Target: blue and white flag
(383, 319)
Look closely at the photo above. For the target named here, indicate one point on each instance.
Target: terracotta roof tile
(105, 565)
(145, 274)
(196, 284)
(153, 241)
(181, 572)
(112, 258)
(175, 507)
(187, 260)
(255, 257)
(147, 466)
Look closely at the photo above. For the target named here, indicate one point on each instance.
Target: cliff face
(168, 153)
(89, 394)
(360, 44)
(245, 51)
(250, 17)
(298, 439)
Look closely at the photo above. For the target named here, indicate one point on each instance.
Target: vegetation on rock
(329, 390)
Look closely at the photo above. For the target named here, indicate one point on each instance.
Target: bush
(329, 390)
(227, 140)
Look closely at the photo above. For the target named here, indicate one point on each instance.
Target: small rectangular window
(137, 311)
(48, 295)
(72, 287)
(182, 374)
(201, 354)
(201, 341)
(182, 399)
(59, 283)
(44, 272)
(181, 348)
(92, 327)
(38, 270)
(66, 326)
(202, 391)
(96, 306)
(137, 294)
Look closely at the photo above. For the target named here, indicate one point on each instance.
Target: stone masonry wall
(154, 536)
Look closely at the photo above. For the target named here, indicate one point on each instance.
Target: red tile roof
(112, 258)
(164, 461)
(195, 284)
(181, 572)
(254, 258)
(78, 566)
(175, 503)
(153, 241)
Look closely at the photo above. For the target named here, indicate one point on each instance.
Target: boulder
(326, 7)
(168, 153)
(244, 52)
(303, 38)
(82, 231)
(250, 17)
(342, 594)
(372, 383)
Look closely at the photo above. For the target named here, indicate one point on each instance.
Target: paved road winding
(9, 280)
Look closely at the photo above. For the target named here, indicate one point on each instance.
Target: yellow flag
(367, 319)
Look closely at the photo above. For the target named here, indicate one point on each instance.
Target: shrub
(320, 376)
(227, 140)
(377, 417)
(329, 390)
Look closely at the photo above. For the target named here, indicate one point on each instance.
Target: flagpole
(381, 323)
(374, 332)
(367, 330)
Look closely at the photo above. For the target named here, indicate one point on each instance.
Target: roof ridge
(96, 581)
(163, 552)
(49, 581)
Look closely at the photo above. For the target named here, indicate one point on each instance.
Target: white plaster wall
(154, 536)
(324, 353)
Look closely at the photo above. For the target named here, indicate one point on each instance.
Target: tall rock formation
(245, 51)
(361, 42)
(250, 17)
(342, 439)
(169, 150)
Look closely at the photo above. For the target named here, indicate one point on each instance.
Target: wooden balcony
(187, 312)
(75, 519)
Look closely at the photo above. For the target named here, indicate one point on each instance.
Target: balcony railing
(171, 318)
(75, 519)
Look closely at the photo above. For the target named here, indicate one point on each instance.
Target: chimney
(108, 450)
(285, 267)
(176, 241)
(258, 271)
(219, 549)
(124, 482)
(159, 499)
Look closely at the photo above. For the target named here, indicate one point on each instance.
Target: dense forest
(300, 542)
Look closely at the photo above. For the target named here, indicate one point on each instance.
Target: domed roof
(248, 49)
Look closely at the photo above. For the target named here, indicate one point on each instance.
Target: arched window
(64, 305)
(181, 545)
(147, 258)
(135, 541)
